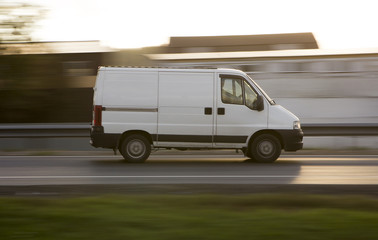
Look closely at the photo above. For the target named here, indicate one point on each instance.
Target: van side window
(232, 91)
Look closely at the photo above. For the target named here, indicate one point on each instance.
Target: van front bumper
(292, 139)
(104, 140)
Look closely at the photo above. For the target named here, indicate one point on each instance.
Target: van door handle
(221, 111)
(208, 111)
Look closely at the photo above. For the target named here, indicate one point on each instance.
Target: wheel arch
(131, 132)
(267, 131)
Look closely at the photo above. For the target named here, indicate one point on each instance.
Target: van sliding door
(186, 111)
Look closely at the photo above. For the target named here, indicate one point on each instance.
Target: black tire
(265, 148)
(135, 148)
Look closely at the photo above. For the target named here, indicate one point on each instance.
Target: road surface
(188, 169)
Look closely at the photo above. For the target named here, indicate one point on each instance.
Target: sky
(336, 24)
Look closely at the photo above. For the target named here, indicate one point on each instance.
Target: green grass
(274, 216)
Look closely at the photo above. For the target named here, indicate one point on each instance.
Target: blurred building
(264, 42)
(317, 85)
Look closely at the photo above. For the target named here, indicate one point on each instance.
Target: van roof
(166, 69)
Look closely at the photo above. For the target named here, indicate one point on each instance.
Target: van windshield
(271, 101)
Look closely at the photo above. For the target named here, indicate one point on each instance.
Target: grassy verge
(272, 216)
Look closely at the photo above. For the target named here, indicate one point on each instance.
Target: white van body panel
(130, 100)
(98, 88)
(131, 89)
(280, 118)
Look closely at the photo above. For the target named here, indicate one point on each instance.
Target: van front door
(236, 118)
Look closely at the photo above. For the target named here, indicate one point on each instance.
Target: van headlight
(296, 125)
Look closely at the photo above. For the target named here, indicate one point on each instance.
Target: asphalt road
(188, 169)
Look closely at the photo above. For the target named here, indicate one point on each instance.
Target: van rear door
(186, 109)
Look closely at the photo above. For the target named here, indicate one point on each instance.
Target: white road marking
(191, 176)
(218, 157)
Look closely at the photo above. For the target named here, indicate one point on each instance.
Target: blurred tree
(19, 102)
(32, 86)
(18, 20)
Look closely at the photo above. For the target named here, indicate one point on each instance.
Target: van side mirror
(258, 104)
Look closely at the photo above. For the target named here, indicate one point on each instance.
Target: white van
(136, 109)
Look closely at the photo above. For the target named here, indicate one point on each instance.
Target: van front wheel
(135, 148)
(265, 148)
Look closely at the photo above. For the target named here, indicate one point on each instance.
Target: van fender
(266, 131)
(131, 132)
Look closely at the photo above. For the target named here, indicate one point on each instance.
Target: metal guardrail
(341, 129)
(47, 130)
(82, 130)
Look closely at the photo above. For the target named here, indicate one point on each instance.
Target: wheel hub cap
(136, 148)
(266, 148)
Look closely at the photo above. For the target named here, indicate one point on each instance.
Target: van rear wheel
(135, 148)
(265, 148)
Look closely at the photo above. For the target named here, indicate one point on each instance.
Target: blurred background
(319, 59)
